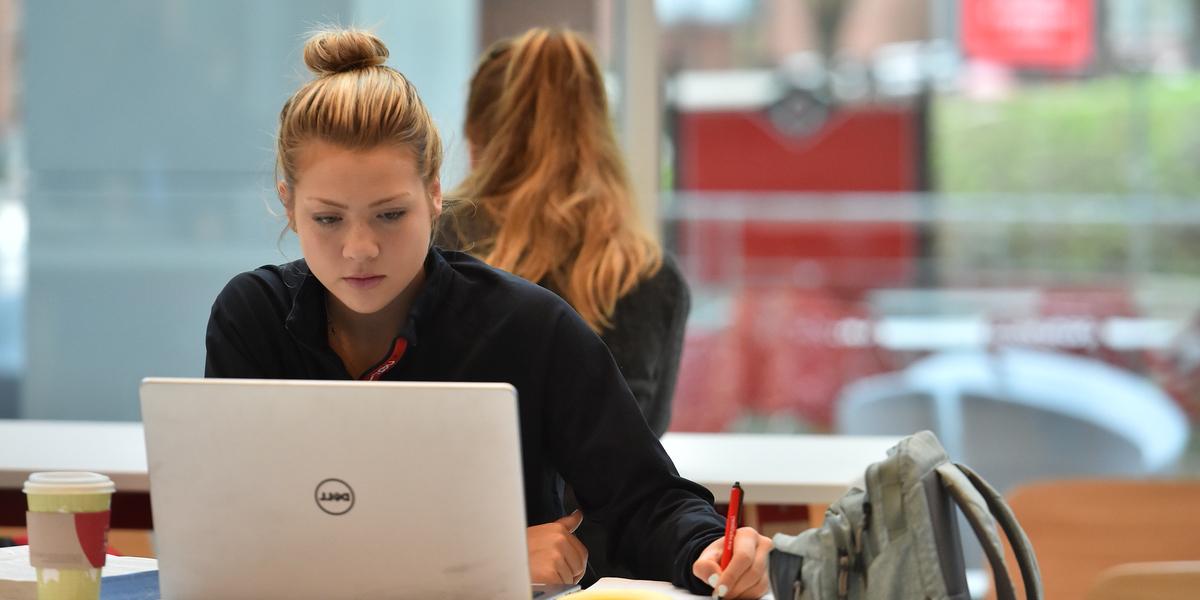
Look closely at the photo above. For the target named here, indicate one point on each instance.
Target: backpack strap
(975, 509)
(1022, 548)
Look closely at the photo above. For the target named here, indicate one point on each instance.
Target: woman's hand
(555, 554)
(746, 575)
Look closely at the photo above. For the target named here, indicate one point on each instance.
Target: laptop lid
(328, 489)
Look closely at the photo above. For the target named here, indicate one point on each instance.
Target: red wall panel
(860, 150)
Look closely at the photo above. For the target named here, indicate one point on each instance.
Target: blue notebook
(133, 586)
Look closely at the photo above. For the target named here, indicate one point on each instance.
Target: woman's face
(364, 219)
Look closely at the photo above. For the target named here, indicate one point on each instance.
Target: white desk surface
(776, 468)
(114, 449)
(773, 469)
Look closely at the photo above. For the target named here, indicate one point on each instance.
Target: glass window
(971, 217)
(138, 146)
(975, 217)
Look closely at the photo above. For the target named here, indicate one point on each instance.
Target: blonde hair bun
(332, 51)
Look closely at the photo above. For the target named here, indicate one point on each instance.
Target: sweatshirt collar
(307, 320)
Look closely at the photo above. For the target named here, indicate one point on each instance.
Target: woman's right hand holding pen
(746, 574)
(555, 554)
(735, 566)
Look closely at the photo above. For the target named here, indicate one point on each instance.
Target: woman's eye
(392, 215)
(326, 219)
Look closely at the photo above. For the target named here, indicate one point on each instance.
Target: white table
(114, 449)
(773, 469)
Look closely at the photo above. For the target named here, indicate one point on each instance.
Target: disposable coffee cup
(67, 524)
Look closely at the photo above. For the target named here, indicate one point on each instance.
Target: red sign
(1054, 34)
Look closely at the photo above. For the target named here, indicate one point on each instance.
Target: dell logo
(334, 496)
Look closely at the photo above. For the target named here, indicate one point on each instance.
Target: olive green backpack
(898, 538)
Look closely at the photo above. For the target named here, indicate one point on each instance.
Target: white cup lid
(68, 482)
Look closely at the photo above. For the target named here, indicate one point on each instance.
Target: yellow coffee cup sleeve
(618, 595)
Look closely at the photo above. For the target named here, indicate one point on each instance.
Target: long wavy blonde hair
(548, 196)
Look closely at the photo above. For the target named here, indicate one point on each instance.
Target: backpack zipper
(858, 541)
(843, 585)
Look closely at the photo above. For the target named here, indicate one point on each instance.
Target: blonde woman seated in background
(548, 198)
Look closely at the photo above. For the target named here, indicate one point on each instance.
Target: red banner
(1055, 34)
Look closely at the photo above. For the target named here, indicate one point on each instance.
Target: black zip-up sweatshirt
(471, 322)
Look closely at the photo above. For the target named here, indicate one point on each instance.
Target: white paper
(662, 587)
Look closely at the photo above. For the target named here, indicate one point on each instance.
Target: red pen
(731, 523)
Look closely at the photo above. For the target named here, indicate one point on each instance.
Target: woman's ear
(435, 197)
(288, 204)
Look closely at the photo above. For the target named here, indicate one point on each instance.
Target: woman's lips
(364, 283)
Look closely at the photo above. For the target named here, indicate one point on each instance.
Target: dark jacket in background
(646, 340)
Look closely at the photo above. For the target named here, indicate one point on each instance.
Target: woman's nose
(360, 244)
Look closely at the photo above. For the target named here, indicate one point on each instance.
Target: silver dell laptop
(323, 489)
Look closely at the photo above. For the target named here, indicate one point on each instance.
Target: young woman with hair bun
(372, 299)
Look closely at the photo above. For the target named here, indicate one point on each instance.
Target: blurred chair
(1080, 528)
(708, 392)
(799, 350)
(1017, 415)
(784, 352)
(1148, 581)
